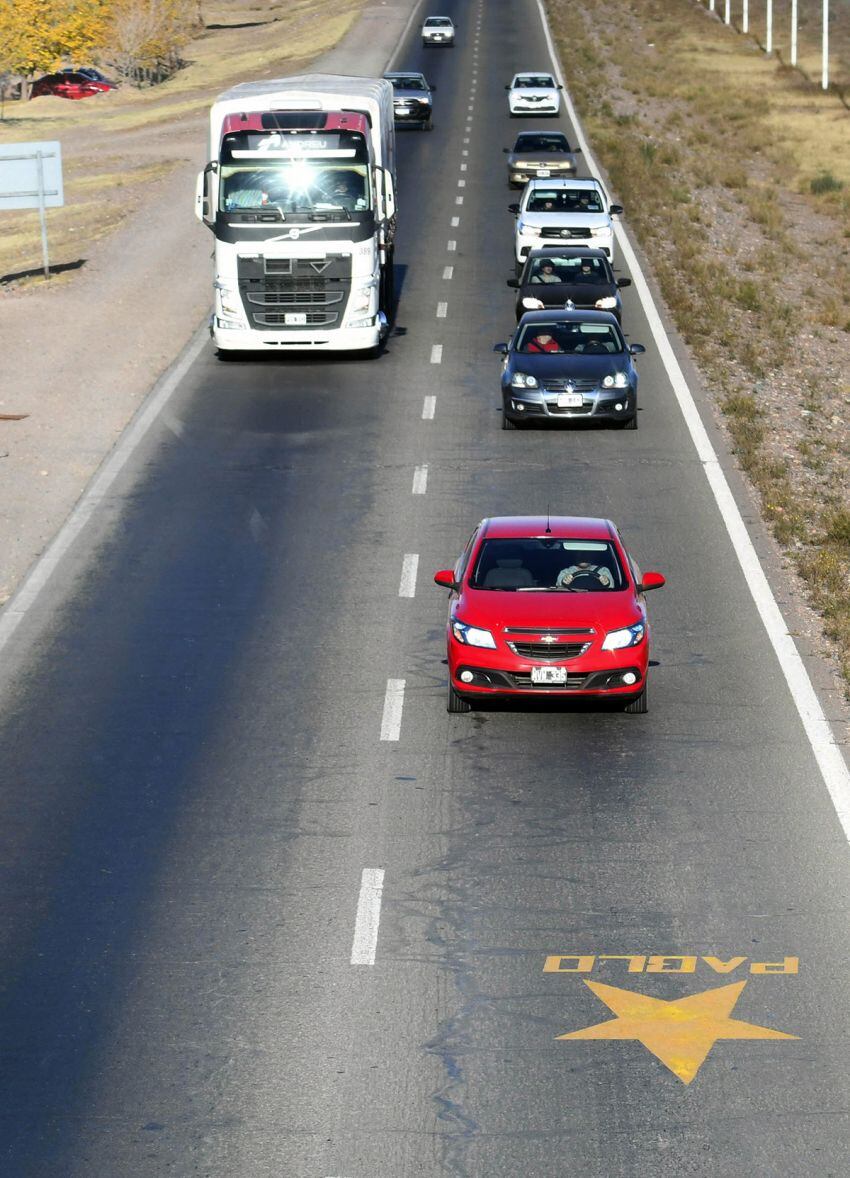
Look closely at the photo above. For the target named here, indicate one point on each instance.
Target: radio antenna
(548, 529)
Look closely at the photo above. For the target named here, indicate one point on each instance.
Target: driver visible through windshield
(548, 565)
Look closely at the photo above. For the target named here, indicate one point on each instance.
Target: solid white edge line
(368, 918)
(402, 38)
(436, 353)
(429, 408)
(420, 480)
(409, 569)
(830, 760)
(393, 709)
(27, 594)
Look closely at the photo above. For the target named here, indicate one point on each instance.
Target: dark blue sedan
(569, 366)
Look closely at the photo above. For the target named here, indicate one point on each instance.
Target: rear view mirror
(621, 282)
(651, 581)
(446, 578)
(506, 151)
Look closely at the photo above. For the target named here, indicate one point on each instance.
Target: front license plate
(543, 172)
(549, 675)
(569, 400)
(296, 318)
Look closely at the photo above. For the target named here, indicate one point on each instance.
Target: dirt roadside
(81, 353)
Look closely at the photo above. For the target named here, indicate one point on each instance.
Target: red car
(70, 85)
(550, 607)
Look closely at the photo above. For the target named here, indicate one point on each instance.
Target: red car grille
(556, 651)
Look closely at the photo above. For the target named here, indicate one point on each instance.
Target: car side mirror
(651, 581)
(576, 150)
(506, 151)
(513, 283)
(431, 88)
(514, 208)
(446, 578)
(614, 209)
(636, 349)
(507, 87)
(621, 282)
(502, 348)
(560, 87)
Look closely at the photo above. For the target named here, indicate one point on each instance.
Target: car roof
(534, 74)
(564, 182)
(579, 527)
(437, 16)
(404, 74)
(569, 251)
(559, 316)
(545, 134)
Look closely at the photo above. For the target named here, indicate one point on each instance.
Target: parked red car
(69, 85)
(551, 607)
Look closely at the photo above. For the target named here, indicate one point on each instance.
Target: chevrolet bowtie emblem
(548, 638)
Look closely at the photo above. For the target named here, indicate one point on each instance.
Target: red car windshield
(548, 565)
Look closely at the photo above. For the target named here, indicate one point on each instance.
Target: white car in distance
(564, 212)
(438, 30)
(533, 94)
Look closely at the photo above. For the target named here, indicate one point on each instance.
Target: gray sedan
(540, 154)
(412, 101)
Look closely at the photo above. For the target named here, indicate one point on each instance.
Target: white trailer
(299, 192)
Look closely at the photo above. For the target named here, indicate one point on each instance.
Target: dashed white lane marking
(455, 223)
(429, 408)
(409, 569)
(420, 480)
(393, 710)
(451, 246)
(442, 310)
(465, 152)
(464, 167)
(448, 271)
(368, 918)
(834, 769)
(466, 139)
(461, 184)
(458, 200)
(436, 353)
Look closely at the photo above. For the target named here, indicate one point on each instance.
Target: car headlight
(532, 304)
(600, 231)
(630, 636)
(523, 380)
(472, 635)
(606, 304)
(529, 230)
(617, 380)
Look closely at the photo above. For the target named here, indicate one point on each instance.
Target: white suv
(438, 30)
(533, 94)
(564, 212)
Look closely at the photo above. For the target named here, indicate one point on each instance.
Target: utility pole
(793, 32)
(769, 37)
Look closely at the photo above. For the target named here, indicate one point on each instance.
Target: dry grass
(730, 170)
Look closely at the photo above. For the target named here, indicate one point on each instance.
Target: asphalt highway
(232, 704)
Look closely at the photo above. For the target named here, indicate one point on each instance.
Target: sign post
(31, 178)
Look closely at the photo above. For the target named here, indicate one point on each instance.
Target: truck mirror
(205, 201)
(389, 193)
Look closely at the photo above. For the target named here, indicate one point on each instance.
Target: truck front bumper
(342, 339)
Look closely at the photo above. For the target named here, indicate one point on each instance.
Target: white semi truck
(299, 192)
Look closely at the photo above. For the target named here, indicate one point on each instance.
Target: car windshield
(542, 81)
(541, 143)
(408, 83)
(438, 22)
(548, 565)
(575, 338)
(572, 271)
(564, 200)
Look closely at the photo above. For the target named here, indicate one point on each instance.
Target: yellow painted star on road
(679, 1033)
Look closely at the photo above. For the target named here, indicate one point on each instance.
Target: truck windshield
(295, 187)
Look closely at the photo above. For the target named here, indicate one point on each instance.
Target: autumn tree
(38, 35)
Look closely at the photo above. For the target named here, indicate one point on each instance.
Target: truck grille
(567, 232)
(273, 289)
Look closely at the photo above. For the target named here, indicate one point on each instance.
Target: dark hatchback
(555, 276)
(412, 99)
(569, 366)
